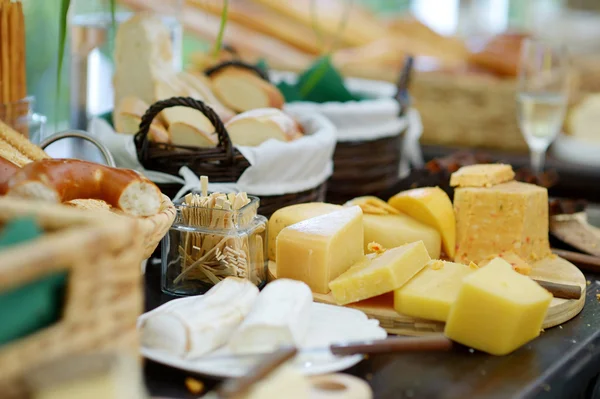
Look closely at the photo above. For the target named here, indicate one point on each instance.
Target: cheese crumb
(437, 265)
(194, 386)
(473, 266)
(376, 247)
(598, 297)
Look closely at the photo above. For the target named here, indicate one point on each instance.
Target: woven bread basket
(222, 164)
(154, 228)
(103, 298)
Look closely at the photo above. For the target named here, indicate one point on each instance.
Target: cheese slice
(497, 309)
(431, 293)
(373, 205)
(318, 250)
(482, 175)
(517, 263)
(432, 206)
(197, 325)
(375, 276)
(293, 214)
(395, 230)
(279, 317)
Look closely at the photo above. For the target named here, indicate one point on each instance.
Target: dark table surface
(562, 363)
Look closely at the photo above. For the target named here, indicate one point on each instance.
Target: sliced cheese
(279, 317)
(432, 206)
(293, 214)
(485, 175)
(507, 217)
(373, 205)
(431, 293)
(395, 230)
(195, 326)
(517, 263)
(384, 273)
(318, 250)
(497, 309)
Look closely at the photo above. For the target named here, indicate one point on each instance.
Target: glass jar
(205, 245)
(92, 47)
(20, 116)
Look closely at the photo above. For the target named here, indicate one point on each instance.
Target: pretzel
(7, 170)
(62, 180)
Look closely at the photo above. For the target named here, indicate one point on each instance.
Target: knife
(435, 342)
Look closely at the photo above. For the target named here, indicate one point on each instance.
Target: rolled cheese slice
(195, 326)
(280, 317)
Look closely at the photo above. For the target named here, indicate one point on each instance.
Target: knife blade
(434, 342)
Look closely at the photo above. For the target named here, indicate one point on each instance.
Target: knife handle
(563, 291)
(238, 386)
(436, 342)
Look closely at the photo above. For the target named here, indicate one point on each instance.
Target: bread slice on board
(253, 127)
(242, 90)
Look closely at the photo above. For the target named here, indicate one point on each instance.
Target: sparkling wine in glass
(543, 86)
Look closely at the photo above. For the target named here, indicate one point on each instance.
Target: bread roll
(242, 90)
(128, 115)
(253, 127)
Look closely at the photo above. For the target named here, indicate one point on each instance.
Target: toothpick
(204, 185)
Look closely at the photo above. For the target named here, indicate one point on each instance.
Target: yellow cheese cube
(497, 309)
(293, 214)
(374, 276)
(318, 250)
(508, 217)
(395, 230)
(482, 175)
(432, 206)
(430, 293)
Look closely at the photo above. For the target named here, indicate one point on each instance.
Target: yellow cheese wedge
(497, 309)
(373, 205)
(395, 230)
(318, 250)
(384, 273)
(517, 263)
(430, 293)
(293, 214)
(507, 217)
(430, 205)
(485, 175)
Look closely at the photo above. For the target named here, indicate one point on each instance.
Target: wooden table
(562, 363)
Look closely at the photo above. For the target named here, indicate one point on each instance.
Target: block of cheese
(395, 230)
(432, 206)
(374, 276)
(497, 310)
(318, 250)
(279, 317)
(293, 214)
(517, 263)
(197, 325)
(430, 293)
(91, 376)
(507, 217)
(484, 175)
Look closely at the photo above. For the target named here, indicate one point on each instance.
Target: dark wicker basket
(364, 168)
(222, 164)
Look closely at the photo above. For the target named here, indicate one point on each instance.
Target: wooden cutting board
(577, 232)
(554, 269)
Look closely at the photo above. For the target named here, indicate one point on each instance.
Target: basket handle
(141, 137)
(237, 63)
(402, 84)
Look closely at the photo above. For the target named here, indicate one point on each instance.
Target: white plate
(577, 151)
(328, 325)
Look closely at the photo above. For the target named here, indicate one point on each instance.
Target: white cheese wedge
(280, 317)
(198, 325)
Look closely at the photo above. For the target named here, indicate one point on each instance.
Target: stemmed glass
(543, 89)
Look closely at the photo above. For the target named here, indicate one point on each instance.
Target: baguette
(128, 115)
(203, 86)
(11, 154)
(254, 127)
(241, 90)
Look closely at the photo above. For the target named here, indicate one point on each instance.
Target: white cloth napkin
(276, 167)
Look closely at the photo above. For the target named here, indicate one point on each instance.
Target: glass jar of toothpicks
(214, 236)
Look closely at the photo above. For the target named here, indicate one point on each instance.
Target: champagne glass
(543, 86)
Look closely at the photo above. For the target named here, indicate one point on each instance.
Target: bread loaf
(253, 127)
(242, 90)
(203, 91)
(128, 115)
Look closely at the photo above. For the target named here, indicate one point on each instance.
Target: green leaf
(262, 65)
(322, 83)
(219, 41)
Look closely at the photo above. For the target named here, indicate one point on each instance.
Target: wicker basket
(467, 110)
(103, 292)
(222, 164)
(154, 228)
